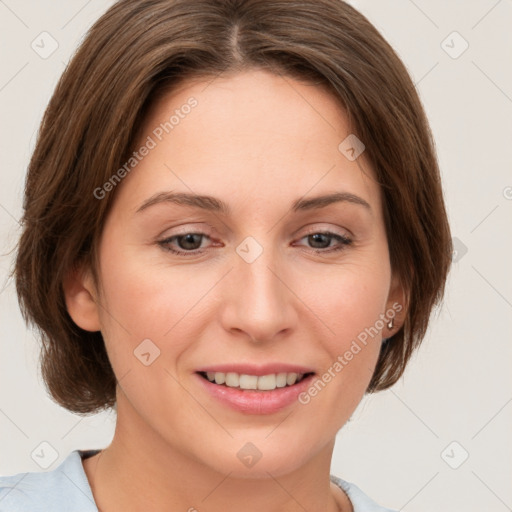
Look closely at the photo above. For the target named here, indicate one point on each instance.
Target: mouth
(247, 382)
(250, 388)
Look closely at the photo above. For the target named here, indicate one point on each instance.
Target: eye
(321, 241)
(188, 243)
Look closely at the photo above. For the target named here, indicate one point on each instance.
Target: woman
(234, 228)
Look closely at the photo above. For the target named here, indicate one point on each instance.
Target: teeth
(266, 382)
(219, 378)
(262, 383)
(232, 379)
(281, 380)
(291, 378)
(248, 381)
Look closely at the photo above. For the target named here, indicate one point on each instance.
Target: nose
(258, 302)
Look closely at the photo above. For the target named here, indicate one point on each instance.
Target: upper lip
(252, 369)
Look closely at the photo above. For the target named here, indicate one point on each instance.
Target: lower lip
(252, 401)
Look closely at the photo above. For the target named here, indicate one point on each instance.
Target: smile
(244, 381)
(247, 393)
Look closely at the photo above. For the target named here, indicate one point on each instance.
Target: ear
(396, 306)
(81, 299)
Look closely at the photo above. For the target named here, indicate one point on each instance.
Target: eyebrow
(216, 205)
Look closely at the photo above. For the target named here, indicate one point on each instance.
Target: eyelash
(343, 240)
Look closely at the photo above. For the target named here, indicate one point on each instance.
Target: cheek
(138, 293)
(352, 306)
(352, 300)
(143, 300)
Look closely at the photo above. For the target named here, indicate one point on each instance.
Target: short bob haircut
(140, 49)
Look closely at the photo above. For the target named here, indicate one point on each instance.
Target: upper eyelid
(308, 232)
(188, 229)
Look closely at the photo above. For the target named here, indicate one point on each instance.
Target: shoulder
(54, 490)
(360, 501)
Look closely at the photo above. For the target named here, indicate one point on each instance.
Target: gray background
(406, 446)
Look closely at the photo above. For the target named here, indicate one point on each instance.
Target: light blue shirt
(66, 489)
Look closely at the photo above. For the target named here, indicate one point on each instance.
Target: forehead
(254, 106)
(252, 134)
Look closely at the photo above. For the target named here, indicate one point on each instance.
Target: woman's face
(255, 289)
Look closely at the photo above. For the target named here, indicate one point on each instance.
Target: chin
(276, 466)
(257, 459)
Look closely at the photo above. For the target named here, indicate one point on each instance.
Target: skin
(174, 446)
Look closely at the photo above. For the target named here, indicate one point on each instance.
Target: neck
(140, 470)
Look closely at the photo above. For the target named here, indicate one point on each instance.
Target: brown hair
(140, 47)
